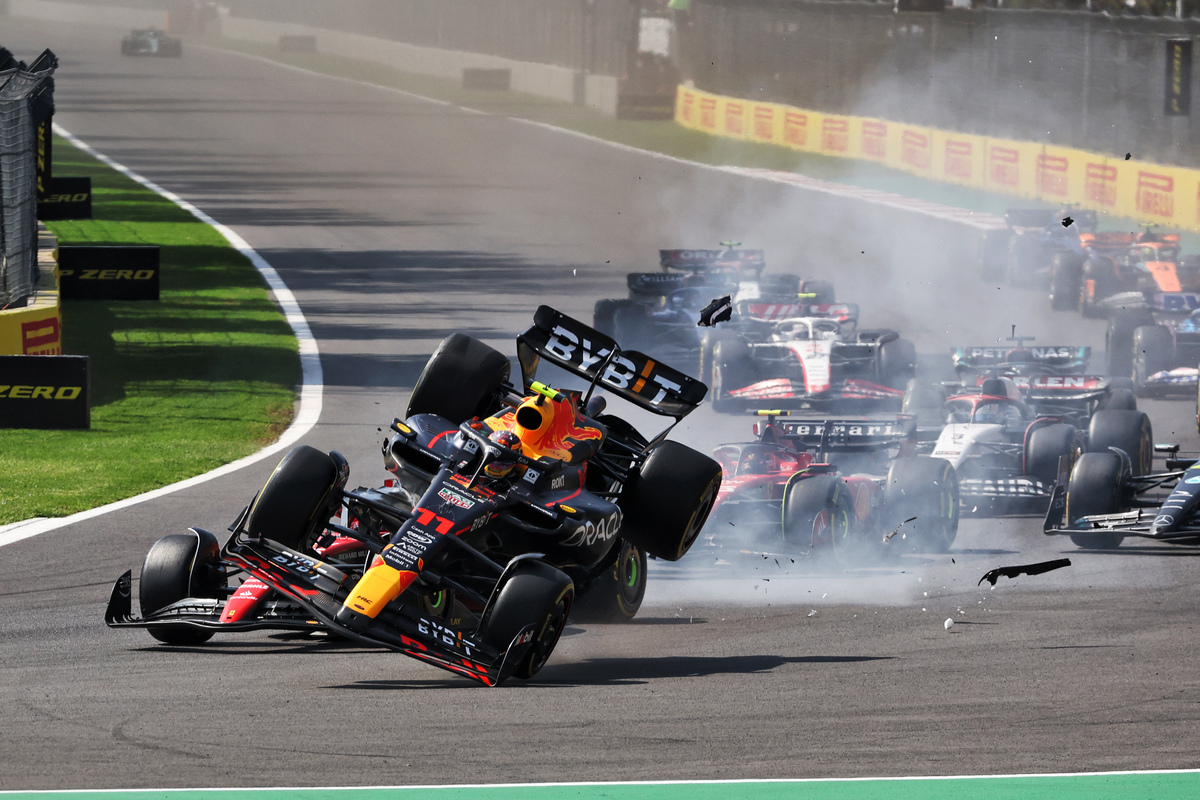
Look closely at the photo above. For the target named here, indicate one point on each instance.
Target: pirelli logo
(45, 392)
(41, 337)
(708, 113)
(1100, 184)
(108, 273)
(1156, 194)
(66, 198)
(687, 107)
(835, 135)
(959, 163)
(1052, 175)
(1004, 166)
(735, 118)
(916, 150)
(764, 123)
(874, 139)
(795, 128)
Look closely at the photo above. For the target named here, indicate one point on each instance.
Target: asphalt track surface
(396, 221)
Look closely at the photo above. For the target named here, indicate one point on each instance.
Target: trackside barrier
(1147, 192)
(36, 328)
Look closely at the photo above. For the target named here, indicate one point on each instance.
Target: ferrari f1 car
(511, 498)
(1106, 501)
(663, 307)
(1010, 449)
(848, 489)
(806, 355)
(151, 42)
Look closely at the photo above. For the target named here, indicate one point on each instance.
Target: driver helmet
(994, 413)
(503, 465)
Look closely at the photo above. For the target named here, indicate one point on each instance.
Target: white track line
(310, 360)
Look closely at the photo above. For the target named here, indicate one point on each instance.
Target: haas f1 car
(1106, 500)
(806, 355)
(510, 500)
(851, 490)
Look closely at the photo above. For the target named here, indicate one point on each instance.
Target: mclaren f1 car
(509, 500)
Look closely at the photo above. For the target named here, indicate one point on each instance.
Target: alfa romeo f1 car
(806, 355)
(1106, 501)
(151, 42)
(511, 498)
(663, 307)
(849, 489)
(1009, 453)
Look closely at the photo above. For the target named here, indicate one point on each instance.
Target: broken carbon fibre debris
(887, 537)
(991, 576)
(719, 310)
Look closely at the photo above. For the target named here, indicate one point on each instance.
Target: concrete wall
(544, 80)
(78, 14)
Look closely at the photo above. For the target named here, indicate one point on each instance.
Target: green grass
(203, 377)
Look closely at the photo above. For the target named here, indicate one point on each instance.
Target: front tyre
(533, 593)
(1095, 488)
(291, 508)
(461, 380)
(177, 567)
(818, 515)
(617, 594)
(921, 499)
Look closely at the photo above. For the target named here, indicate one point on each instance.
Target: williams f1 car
(510, 500)
(1036, 241)
(848, 489)
(151, 42)
(1106, 501)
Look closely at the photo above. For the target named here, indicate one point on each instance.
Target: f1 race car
(510, 500)
(663, 307)
(1118, 267)
(806, 355)
(1037, 238)
(1009, 454)
(848, 489)
(151, 42)
(1106, 501)
(1156, 343)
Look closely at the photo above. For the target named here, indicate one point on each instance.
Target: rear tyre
(667, 503)
(1065, 281)
(1153, 351)
(177, 567)
(1095, 488)
(604, 316)
(818, 514)
(923, 398)
(732, 369)
(1127, 430)
(533, 593)
(1119, 399)
(616, 595)
(1046, 445)
(297, 500)
(926, 489)
(1118, 340)
(461, 380)
(897, 363)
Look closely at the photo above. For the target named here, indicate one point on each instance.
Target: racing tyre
(708, 344)
(921, 397)
(667, 503)
(1153, 351)
(818, 514)
(1120, 399)
(1126, 430)
(921, 502)
(604, 316)
(461, 380)
(179, 566)
(897, 363)
(1066, 277)
(1095, 488)
(533, 593)
(732, 369)
(1099, 282)
(822, 290)
(1118, 340)
(295, 503)
(1043, 449)
(616, 595)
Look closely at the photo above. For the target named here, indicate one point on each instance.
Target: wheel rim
(700, 515)
(550, 635)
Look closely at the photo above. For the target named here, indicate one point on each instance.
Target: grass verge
(203, 377)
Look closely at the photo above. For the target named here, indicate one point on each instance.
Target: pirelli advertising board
(45, 392)
(102, 272)
(1141, 190)
(68, 198)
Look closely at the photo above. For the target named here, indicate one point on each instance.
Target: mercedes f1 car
(806, 355)
(848, 489)
(1010, 448)
(510, 500)
(151, 42)
(663, 307)
(1106, 501)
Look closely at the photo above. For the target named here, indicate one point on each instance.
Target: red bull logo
(795, 128)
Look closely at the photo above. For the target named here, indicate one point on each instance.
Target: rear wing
(846, 434)
(589, 354)
(748, 261)
(1058, 356)
(771, 312)
(655, 283)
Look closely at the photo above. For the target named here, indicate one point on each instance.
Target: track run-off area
(394, 222)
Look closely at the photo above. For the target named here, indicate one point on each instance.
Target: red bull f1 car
(849, 490)
(510, 500)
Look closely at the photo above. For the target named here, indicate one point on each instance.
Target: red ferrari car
(848, 489)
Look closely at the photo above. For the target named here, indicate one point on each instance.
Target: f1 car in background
(662, 308)
(833, 488)
(1010, 445)
(1156, 343)
(512, 498)
(1117, 268)
(1026, 254)
(806, 355)
(1106, 500)
(151, 42)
